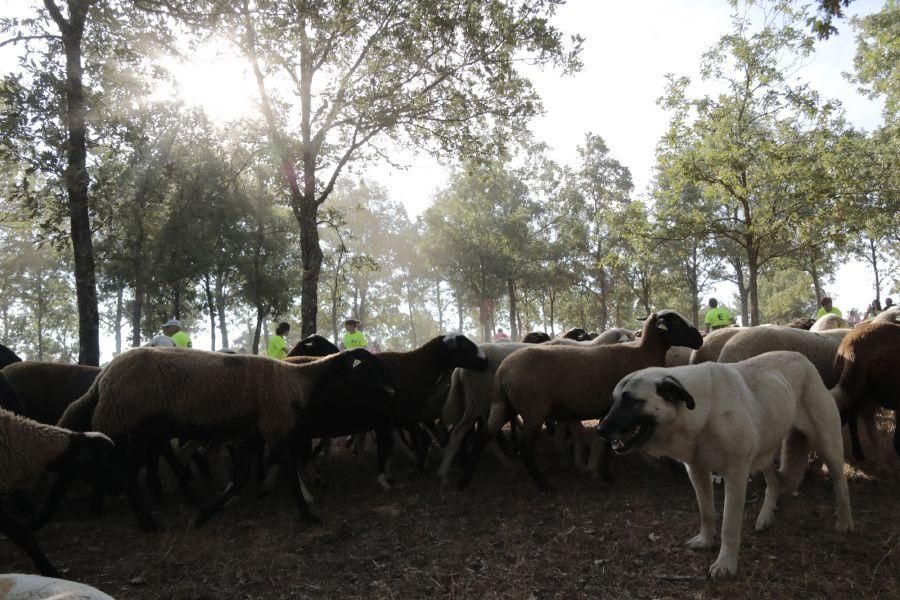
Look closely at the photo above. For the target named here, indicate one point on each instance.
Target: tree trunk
(117, 325)
(873, 260)
(552, 313)
(211, 305)
(76, 180)
(39, 316)
(137, 307)
(752, 277)
(220, 309)
(311, 258)
(459, 307)
(440, 306)
(260, 315)
(513, 326)
(412, 322)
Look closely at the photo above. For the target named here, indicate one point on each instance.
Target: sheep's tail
(9, 399)
(453, 408)
(79, 415)
(501, 409)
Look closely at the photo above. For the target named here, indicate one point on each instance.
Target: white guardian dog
(731, 419)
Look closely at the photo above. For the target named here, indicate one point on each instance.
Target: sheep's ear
(672, 391)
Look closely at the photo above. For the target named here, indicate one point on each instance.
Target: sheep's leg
(51, 503)
(182, 473)
(22, 503)
(854, 436)
(24, 539)
(457, 436)
(154, 484)
(288, 460)
(526, 450)
(384, 443)
(138, 504)
(897, 432)
(480, 443)
(240, 476)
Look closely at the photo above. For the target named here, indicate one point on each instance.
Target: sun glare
(215, 79)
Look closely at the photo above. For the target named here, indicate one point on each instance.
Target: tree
(360, 73)
(58, 93)
(759, 148)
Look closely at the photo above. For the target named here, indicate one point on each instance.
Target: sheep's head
(674, 329)
(463, 352)
(92, 458)
(314, 345)
(576, 333)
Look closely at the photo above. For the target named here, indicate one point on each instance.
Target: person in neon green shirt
(172, 328)
(353, 338)
(277, 343)
(827, 308)
(717, 318)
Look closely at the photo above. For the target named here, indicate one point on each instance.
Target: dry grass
(499, 539)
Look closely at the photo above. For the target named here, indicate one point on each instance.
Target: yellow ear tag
(356, 363)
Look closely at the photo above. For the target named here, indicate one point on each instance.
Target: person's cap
(348, 321)
(172, 323)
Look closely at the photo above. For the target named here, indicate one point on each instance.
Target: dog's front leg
(732, 519)
(703, 489)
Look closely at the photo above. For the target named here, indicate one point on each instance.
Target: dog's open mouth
(636, 436)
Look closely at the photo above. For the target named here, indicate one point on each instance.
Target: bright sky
(629, 48)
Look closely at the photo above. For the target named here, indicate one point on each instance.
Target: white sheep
(829, 321)
(17, 586)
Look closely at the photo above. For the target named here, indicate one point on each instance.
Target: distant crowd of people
(716, 317)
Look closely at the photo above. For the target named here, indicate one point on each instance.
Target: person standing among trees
(873, 309)
(828, 308)
(501, 336)
(172, 328)
(277, 344)
(353, 338)
(717, 318)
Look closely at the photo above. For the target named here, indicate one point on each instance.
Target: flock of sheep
(105, 426)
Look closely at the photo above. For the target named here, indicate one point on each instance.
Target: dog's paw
(700, 542)
(844, 525)
(765, 520)
(723, 567)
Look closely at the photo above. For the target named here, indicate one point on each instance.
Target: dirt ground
(498, 539)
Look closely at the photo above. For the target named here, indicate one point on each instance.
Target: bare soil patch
(501, 538)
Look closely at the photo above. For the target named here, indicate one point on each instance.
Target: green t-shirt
(277, 345)
(834, 311)
(717, 317)
(181, 339)
(354, 340)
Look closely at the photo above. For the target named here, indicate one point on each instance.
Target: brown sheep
(869, 363)
(46, 389)
(542, 382)
(147, 396)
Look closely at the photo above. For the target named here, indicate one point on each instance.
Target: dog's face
(641, 403)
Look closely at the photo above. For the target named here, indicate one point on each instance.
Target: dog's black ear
(672, 390)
